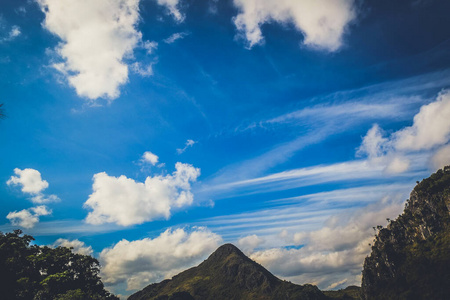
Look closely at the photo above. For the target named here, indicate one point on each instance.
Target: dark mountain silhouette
(227, 274)
(410, 258)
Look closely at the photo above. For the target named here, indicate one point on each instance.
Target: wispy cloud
(339, 112)
(304, 212)
(12, 34)
(188, 144)
(174, 37)
(173, 9)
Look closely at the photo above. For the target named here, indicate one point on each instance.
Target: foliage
(349, 293)
(40, 273)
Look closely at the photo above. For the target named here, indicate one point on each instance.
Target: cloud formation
(249, 243)
(28, 218)
(124, 201)
(322, 22)
(96, 38)
(430, 129)
(188, 144)
(172, 7)
(77, 245)
(431, 126)
(32, 183)
(12, 34)
(141, 262)
(334, 252)
(149, 157)
(174, 37)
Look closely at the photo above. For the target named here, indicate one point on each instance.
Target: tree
(40, 272)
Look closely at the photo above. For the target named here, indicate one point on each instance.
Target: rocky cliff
(410, 258)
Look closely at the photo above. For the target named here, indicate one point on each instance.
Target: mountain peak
(228, 274)
(225, 251)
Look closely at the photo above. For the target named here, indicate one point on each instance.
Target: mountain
(227, 274)
(410, 259)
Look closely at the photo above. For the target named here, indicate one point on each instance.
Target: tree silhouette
(43, 273)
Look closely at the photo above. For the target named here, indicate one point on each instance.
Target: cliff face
(227, 274)
(410, 258)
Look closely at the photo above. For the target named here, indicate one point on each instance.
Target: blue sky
(148, 132)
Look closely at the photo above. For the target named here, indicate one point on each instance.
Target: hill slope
(227, 274)
(410, 258)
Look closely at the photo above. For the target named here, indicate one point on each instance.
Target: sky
(149, 132)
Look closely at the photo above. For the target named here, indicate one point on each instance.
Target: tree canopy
(40, 272)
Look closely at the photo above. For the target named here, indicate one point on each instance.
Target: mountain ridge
(227, 274)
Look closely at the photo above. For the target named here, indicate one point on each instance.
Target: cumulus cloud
(30, 180)
(149, 157)
(430, 129)
(126, 202)
(333, 253)
(96, 37)
(431, 126)
(172, 7)
(249, 243)
(374, 144)
(188, 144)
(32, 183)
(77, 245)
(322, 22)
(141, 262)
(28, 218)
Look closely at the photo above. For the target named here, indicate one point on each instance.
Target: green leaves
(44, 273)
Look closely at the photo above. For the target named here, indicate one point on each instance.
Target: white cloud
(322, 22)
(441, 158)
(148, 260)
(150, 46)
(149, 157)
(126, 202)
(188, 144)
(373, 144)
(13, 33)
(172, 6)
(174, 37)
(249, 243)
(30, 180)
(431, 126)
(144, 71)
(28, 218)
(430, 129)
(334, 252)
(33, 184)
(77, 245)
(96, 38)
